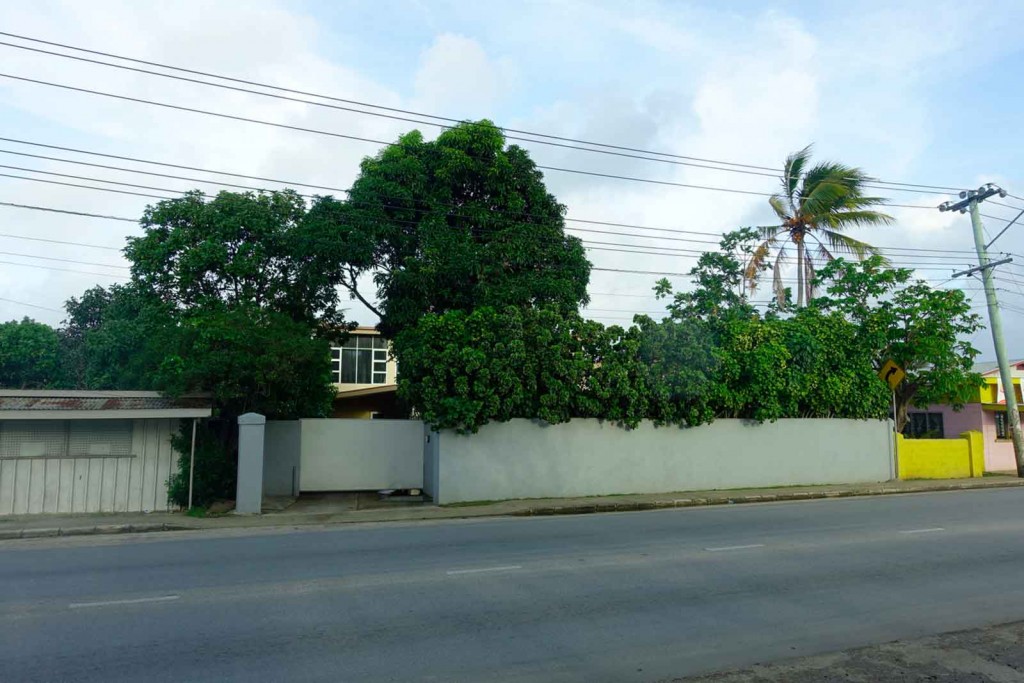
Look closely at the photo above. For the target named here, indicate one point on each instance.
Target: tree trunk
(800, 273)
(903, 396)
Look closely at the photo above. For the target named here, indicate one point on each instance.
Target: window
(1002, 426)
(363, 359)
(924, 426)
(65, 438)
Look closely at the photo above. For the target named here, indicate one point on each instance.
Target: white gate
(344, 455)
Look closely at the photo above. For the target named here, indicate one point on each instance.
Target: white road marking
(135, 601)
(484, 569)
(734, 547)
(922, 531)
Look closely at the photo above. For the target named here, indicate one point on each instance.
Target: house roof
(367, 391)
(990, 366)
(64, 404)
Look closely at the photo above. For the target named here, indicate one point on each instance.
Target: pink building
(987, 415)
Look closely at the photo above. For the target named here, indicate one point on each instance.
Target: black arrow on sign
(892, 371)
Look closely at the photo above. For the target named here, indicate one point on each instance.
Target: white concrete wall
(282, 446)
(361, 455)
(522, 459)
(137, 482)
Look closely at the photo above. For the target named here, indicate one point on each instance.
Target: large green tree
(116, 337)
(766, 367)
(29, 355)
(924, 329)
(455, 223)
(238, 249)
(816, 206)
(233, 296)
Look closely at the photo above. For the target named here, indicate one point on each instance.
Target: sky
(911, 93)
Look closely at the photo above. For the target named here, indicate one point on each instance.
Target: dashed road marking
(134, 601)
(734, 547)
(506, 568)
(922, 531)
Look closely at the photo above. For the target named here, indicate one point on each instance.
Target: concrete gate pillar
(249, 494)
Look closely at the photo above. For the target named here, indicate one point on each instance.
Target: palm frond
(756, 263)
(809, 275)
(823, 254)
(777, 286)
(833, 172)
(779, 206)
(859, 217)
(845, 244)
(793, 169)
(823, 199)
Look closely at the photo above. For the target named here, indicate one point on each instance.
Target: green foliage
(116, 338)
(925, 330)
(29, 355)
(215, 466)
(455, 224)
(233, 297)
(462, 370)
(715, 356)
(249, 359)
(238, 250)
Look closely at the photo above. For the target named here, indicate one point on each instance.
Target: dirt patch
(989, 655)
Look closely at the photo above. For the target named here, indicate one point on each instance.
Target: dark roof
(96, 400)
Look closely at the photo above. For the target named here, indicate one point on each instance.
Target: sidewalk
(982, 655)
(40, 526)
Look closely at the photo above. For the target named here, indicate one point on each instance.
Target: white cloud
(457, 77)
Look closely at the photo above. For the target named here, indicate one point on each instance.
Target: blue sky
(921, 92)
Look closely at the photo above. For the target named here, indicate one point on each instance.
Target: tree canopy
(29, 355)
(925, 330)
(232, 296)
(457, 223)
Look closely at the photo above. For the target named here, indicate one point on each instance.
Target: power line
(25, 303)
(663, 251)
(83, 187)
(155, 163)
(135, 170)
(603, 148)
(73, 213)
(43, 239)
(381, 142)
(64, 260)
(341, 190)
(63, 270)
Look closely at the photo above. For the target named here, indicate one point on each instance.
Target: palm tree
(817, 205)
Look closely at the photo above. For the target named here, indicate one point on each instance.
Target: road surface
(639, 596)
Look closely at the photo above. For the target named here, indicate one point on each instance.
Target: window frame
(1002, 423)
(924, 424)
(369, 360)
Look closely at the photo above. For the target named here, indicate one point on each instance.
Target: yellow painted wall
(941, 458)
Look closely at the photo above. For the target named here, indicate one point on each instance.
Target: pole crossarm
(992, 264)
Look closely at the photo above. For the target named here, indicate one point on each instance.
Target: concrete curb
(540, 510)
(102, 529)
(588, 508)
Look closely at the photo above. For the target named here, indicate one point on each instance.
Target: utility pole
(969, 201)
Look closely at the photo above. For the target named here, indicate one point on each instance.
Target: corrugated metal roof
(985, 367)
(70, 401)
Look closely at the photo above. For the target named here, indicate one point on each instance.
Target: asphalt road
(637, 596)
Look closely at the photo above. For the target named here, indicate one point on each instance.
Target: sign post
(892, 374)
